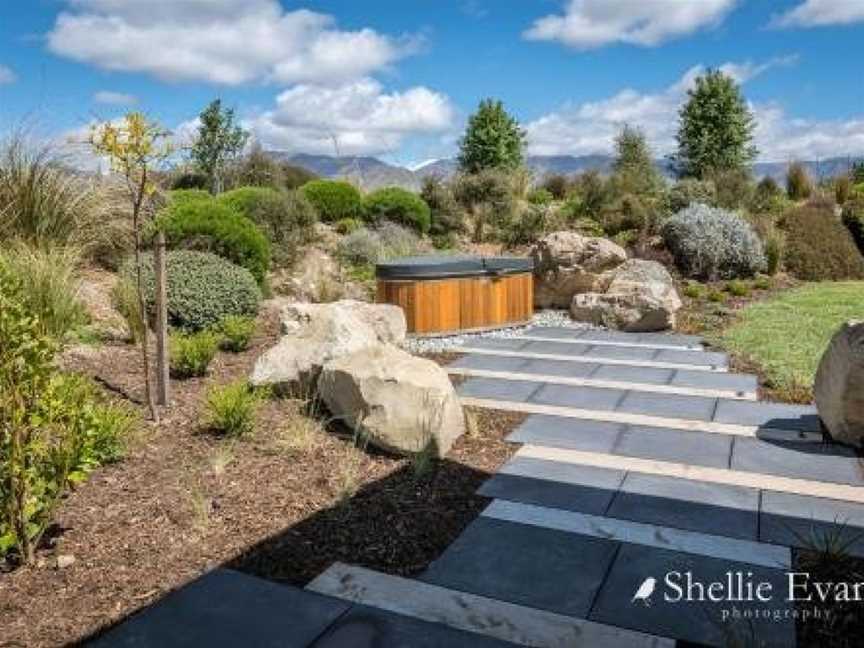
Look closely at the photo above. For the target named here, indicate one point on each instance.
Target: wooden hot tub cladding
(452, 295)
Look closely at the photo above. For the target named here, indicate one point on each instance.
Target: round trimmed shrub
(398, 206)
(211, 226)
(203, 289)
(818, 247)
(246, 200)
(712, 243)
(334, 199)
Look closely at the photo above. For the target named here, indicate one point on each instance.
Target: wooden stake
(162, 379)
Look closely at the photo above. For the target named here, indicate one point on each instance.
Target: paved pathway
(642, 457)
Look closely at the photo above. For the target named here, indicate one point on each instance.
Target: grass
(785, 336)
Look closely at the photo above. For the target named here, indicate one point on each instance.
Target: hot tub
(450, 294)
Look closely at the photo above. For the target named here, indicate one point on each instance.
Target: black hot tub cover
(447, 266)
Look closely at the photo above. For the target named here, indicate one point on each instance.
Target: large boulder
(567, 263)
(313, 334)
(839, 385)
(636, 296)
(399, 402)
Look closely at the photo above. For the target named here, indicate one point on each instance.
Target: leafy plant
(191, 353)
(348, 225)
(489, 199)
(737, 288)
(236, 332)
(492, 139)
(819, 247)
(694, 290)
(218, 141)
(540, 196)
(799, 186)
(399, 206)
(447, 214)
(688, 191)
(633, 171)
(231, 409)
(334, 199)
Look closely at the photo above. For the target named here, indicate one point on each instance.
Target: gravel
(559, 318)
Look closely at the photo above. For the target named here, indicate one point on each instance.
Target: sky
(397, 79)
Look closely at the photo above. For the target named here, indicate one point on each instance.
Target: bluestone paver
(490, 363)
(624, 373)
(590, 398)
(621, 353)
(507, 344)
(678, 446)
(714, 380)
(771, 415)
(701, 358)
(560, 432)
(699, 408)
(555, 348)
(498, 389)
(559, 368)
(807, 522)
(816, 461)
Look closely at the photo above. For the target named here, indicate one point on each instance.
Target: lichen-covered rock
(398, 402)
(567, 263)
(313, 334)
(839, 384)
(637, 296)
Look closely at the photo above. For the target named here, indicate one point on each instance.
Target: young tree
(218, 142)
(492, 140)
(633, 170)
(135, 147)
(715, 130)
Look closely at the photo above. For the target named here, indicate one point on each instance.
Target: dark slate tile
(507, 344)
(489, 363)
(624, 373)
(771, 415)
(675, 406)
(561, 432)
(671, 339)
(679, 446)
(730, 511)
(702, 358)
(567, 473)
(560, 368)
(714, 380)
(701, 622)
(527, 565)
(367, 627)
(804, 521)
(495, 388)
(591, 398)
(227, 608)
(555, 348)
(621, 352)
(559, 332)
(550, 494)
(818, 461)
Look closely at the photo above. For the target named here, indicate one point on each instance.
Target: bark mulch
(283, 504)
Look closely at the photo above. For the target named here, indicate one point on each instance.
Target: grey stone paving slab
(560, 368)
(688, 447)
(623, 373)
(368, 627)
(621, 353)
(498, 389)
(776, 415)
(527, 565)
(700, 622)
(676, 406)
(227, 608)
(561, 332)
(559, 471)
(714, 380)
(561, 432)
(555, 348)
(590, 398)
(508, 344)
(548, 494)
(829, 462)
(685, 504)
(490, 363)
(804, 521)
(692, 357)
(673, 339)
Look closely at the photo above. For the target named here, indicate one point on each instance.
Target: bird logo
(646, 589)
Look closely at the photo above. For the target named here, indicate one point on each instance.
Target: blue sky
(397, 79)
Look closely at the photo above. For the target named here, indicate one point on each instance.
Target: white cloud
(358, 117)
(220, 41)
(591, 127)
(588, 24)
(115, 98)
(7, 75)
(818, 13)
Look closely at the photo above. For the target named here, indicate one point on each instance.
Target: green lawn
(786, 335)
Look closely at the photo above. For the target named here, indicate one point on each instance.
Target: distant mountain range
(372, 173)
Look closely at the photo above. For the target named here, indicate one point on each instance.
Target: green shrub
(348, 225)
(628, 212)
(853, 219)
(687, 191)
(694, 290)
(210, 226)
(527, 227)
(593, 192)
(334, 199)
(819, 247)
(236, 333)
(799, 186)
(448, 215)
(737, 288)
(716, 296)
(360, 247)
(588, 227)
(231, 409)
(191, 353)
(773, 253)
(556, 184)
(185, 196)
(397, 241)
(398, 206)
(489, 199)
(842, 189)
(50, 285)
(763, 283)
(203, 289)
(540, 196)
(246, 200)
(189, 180)
(734, 187)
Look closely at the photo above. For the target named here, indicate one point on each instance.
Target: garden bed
(282, 504)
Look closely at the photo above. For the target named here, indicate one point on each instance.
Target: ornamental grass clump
(191, 354)
(712, 243)
(231, 409)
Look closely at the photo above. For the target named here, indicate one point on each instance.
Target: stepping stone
(498, 389)
(490, 363)
(756, 553)
(689, 447)
(526, 565)
(477, 614)
(625, 373)
(588, 398)
(716, 509)
(669, 406)
(702, 358)
(829, 462)
(802, 521)
(555, 348)
(559, 432)
(509, 344)
(742, 383)
(700, 622)
(227, 608)
(559, 368)
(769, 415)
(615, 337)
(620, 352)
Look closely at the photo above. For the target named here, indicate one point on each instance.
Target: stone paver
(787, 417)
(592, 436)
(808, 522)
(495, 388)
(591, 398)
(623, 373)
(491, 363)
(681, 446)
(560, 368)
(815, 461)
(670, 406)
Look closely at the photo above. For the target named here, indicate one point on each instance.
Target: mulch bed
(184, 501)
